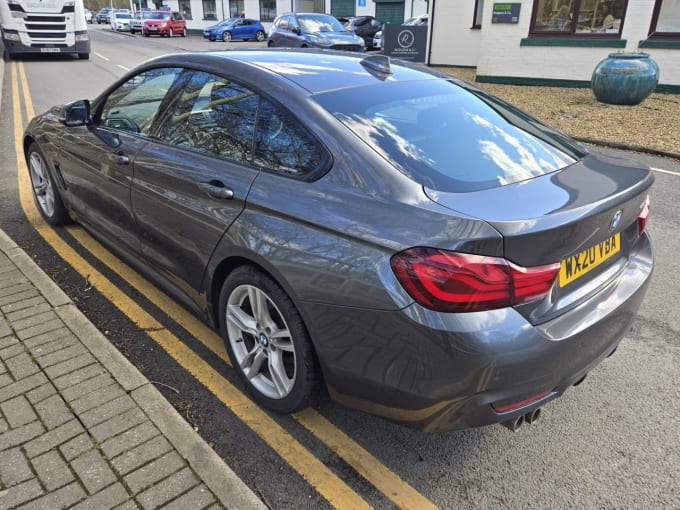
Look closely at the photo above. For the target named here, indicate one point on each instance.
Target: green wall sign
(505, 13)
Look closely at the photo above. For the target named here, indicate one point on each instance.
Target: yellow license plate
(577, 265)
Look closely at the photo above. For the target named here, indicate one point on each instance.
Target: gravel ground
(654, 124)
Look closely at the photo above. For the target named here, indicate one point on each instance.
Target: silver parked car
(120, 21)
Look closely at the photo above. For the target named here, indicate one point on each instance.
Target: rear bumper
(436, 371)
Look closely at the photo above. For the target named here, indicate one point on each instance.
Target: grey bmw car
(422, 249)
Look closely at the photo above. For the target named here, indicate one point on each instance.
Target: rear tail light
(643, 215)
(448, 281)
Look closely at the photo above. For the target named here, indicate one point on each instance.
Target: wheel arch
(227, 266)
(223, 265)
(28, 140)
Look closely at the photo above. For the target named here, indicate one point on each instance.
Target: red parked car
(165, 23)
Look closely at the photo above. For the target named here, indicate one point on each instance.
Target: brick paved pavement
(82, 428)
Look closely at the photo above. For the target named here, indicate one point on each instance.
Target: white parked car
(120, 21)
(88, 15)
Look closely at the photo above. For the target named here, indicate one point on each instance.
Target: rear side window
(283, 145)
(448, 138)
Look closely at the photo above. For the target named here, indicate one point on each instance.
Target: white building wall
(414, 8)
(500, 53)
(453, 41)
(251, 8)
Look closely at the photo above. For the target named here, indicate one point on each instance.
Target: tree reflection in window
(282, 144)
(214, 115)
(133, 106)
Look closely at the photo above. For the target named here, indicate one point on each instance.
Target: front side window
(267, 10)
(283, 145)
(282, 23)
(578, 17)
(215, 116)
(666, 19)
(133, 106)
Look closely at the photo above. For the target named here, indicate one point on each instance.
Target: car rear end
(541, 276)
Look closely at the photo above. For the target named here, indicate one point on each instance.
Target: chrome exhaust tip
(533, 416)
(513, 424)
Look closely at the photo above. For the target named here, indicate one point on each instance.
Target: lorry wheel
(84, 56)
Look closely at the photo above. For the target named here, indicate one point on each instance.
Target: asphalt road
(612, 442)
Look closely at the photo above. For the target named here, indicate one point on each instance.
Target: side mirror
(296, 31)
(75, 114)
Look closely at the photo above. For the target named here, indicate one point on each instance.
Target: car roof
(314, 70)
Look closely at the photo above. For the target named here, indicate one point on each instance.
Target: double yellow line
(326, 482)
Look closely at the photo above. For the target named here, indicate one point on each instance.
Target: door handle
(216, 189)
(119, 157)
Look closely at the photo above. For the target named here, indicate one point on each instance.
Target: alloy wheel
(261, 341)
(42, 184)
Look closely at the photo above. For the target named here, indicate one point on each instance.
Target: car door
(192, 182)
(178, 23)
(248, 29)
(237, 29)
(97, 160)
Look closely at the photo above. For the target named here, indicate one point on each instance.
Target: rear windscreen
(448, 138)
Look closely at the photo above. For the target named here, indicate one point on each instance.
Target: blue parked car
(236, 28)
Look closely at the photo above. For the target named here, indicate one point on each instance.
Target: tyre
(267, 342)
(226, 36)
(45, 192)
(132, 31)
(171, 33)
(259, 36)
(270, 44)
(184, 32)
(145, 34)
(84, 56)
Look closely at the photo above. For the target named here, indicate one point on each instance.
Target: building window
(209, 9)
(591, 18)
(236, 9)
(666, 19)
(185, 8)
(479, 8)
(267, 10)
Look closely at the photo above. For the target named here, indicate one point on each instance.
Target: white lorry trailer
(44, 26)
